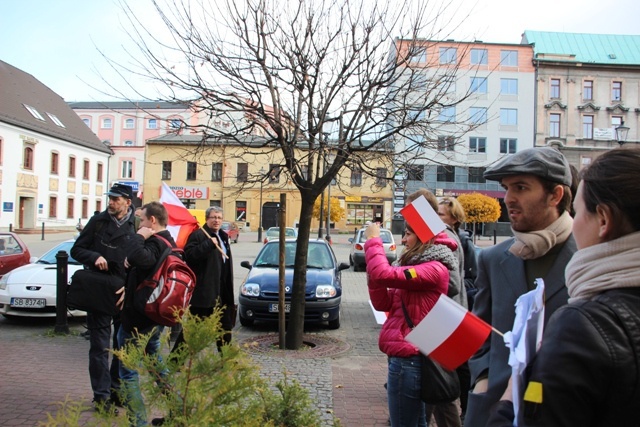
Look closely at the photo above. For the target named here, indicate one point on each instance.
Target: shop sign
(191, 192)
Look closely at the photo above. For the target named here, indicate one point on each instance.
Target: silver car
(356, 256)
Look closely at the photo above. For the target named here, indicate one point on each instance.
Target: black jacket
(142, 256)
(588, 365)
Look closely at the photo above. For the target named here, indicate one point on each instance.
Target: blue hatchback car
(258, 296)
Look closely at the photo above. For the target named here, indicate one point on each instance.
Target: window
(241, 210)
(27, 160)
(508, 117)
(72, 167)
(477, 145)
(85, 208)
(508, 86)
(152, 124)
(381, 175)
(446, 173)
(216, 172)
(128, 143)
(417, 54)
(175, 124)
(192, 170)
(554, 125)
(128, 123)
(448, 55)
(478, 115)
(447, 114)
(274, 173)
(509, 58)
(587, 90)
(99, 173)
(415, 173)
(616, 91)
(56, 120)
(478, 85)
(87, 122)
(446, 143)
(53, 207)
(54, 163)
(107, 124)
(508, 145)
(476, 175)
(166, 169)
(35, 113)
(127, 169)
(415, 115)
(70, 213)
(479, 57)
(587, 127)
(98, 205)
(555, 88)
(616, 121)
(243, 172)
(356, 176)
(85, 169)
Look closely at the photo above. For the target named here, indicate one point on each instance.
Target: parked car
(30, 290)
(232, 230)
(258, 296)
(356, 255)
(273, 233)
(13, 252)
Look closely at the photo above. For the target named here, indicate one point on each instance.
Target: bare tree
(339, 80)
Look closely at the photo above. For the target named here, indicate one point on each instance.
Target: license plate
(273, 308)
(28, 302)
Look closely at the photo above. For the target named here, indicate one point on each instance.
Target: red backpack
(167, 289)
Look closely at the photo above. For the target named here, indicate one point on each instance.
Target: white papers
(380, 316)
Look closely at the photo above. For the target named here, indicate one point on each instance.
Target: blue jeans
(406, 409)
(103, 379)
(129, 377)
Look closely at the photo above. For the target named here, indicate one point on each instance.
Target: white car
(30, 290)
(273, 233)
(356, 255)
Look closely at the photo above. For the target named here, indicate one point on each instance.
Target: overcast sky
(56, 40)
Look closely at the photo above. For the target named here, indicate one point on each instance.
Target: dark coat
(214, 278)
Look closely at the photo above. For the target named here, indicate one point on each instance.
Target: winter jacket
(588, 366)
(418, 286)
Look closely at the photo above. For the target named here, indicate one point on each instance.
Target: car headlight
(250, 290)
(325, 291)
(4, 281)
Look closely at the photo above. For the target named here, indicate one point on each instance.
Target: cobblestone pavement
(38, 369)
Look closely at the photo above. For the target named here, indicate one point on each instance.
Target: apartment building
(587, 85)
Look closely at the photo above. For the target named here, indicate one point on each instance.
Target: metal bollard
(495, 236)
(10, 228)
(62, 264)
(43, 231)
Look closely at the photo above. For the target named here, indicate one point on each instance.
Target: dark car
(258, 296)
(13, 252)
(232, 230)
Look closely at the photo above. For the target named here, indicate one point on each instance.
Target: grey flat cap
(545, 162)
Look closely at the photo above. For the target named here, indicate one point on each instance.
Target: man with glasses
(208, 254)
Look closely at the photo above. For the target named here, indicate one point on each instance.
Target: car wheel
(335, 324)
(246, 322)
(350, 261)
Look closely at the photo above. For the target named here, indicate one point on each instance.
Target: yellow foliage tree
(480, 208)
(337, 212)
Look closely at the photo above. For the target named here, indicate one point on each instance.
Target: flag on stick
(449, 333)
(181, 223)
(421, 217)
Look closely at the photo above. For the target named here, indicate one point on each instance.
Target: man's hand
(145, 232)
(481, 386)
(102, 264)
(120, 303)
(373, 230)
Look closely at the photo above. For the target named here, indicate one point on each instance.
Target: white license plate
(273, 308)
(28, 302)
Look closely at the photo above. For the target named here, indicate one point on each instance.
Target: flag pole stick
(497, 331)
(215, 243)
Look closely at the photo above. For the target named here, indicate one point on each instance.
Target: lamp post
(328, 236)
(622, 132)
(260, 225)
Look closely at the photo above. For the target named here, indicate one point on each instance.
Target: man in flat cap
(538, 199)
(101, 246)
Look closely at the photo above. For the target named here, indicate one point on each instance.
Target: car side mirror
(246, 264)
(343, 266)
(350, 239)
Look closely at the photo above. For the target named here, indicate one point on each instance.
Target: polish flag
(449, 333)
(421, 217)
(181, 222)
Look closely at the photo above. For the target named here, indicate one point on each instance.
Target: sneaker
(157, 421)
(115, 399)
(104, 406)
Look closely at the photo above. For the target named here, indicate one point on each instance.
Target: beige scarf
(535, 244)
(604, 266)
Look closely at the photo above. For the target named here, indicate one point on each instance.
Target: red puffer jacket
(419, 286)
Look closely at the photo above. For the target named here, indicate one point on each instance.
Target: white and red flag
(181, 222)
(449, 333)
(421, 217)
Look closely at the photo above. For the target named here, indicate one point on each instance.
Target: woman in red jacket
(418, 279)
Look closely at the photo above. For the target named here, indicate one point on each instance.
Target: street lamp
(622, 132)
(328, 236)
(260, 225)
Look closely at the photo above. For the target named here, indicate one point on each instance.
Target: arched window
(27, 161)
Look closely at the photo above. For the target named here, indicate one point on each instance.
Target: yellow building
(239, 179)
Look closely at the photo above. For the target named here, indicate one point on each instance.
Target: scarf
(608, 265)
(124, 219)
(535, 244)
(435, 252)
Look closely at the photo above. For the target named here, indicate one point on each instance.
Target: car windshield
(50, 257)
(385, 235)
(275, 232)
(9, 245)
(318, 256)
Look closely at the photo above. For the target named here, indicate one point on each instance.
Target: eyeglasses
(215, 217)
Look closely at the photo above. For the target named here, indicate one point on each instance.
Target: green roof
(586, 48)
